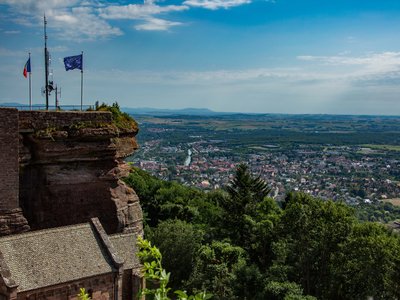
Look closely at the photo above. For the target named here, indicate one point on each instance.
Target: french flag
(27, 68)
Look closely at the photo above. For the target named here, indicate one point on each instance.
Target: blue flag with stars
(73, 62)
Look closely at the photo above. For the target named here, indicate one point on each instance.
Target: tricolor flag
(27, 67)
(73, 62)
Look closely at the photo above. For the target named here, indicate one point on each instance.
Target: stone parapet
(46, 119)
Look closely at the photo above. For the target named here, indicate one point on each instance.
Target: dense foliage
(120, 119)
(238, 243)
(157, 278)
(378, 212)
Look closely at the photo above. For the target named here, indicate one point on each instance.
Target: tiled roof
(52, 256)
(125, 246)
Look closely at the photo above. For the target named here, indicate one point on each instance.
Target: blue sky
(271, 56)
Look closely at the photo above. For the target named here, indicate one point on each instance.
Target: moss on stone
(120, 119)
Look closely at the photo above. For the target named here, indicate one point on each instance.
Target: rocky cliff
(71, 165)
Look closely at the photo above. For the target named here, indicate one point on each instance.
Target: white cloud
(216, 4)
(80, 23)
(8, 52)
(72, 19)
(372, 58)
(59, 48)
(372, 64)
(89, 19)
(145, 12)
(156, 24)
(34, 6)
(12, 31)
(368, 71)
(297, 90)
(137, 11)
(213, 78)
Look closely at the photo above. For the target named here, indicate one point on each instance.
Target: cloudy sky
(276, 56)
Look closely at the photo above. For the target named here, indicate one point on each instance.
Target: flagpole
(30, 84)
(46, 64)
(82, 83)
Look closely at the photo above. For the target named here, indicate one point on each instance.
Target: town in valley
(345, 158)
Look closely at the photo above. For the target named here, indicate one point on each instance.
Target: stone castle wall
(11, 217)
(9, 180)
(45, 119)
(64, 168)
(99, 288)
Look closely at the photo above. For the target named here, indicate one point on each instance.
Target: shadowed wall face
(11, 217)
(9, 140)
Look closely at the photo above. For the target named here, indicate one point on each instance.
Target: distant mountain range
(12, 104)
(136, 111)
(190, 112)
(167, 112)
(41, 106)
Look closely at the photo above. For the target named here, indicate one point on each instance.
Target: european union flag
(73, 62)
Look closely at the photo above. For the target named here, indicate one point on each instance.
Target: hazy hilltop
(163, 112)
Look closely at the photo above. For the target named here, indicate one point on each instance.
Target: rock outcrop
(71, 165)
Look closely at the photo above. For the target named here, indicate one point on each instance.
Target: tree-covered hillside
(238, 243)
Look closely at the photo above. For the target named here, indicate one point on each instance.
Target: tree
(285, 291)
(309, 233)
(150, 256)
(179, 242)
(367, 264)
(245, 193)
(246, 189)
(260, 229)
(249, 282)
(252, 249)
(146, 187)
(210, 214)
(215, 269)
(162, 200)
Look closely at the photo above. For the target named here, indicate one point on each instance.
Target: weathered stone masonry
(61, 174)
(11, 218)
(71, 168)
(43, 119)
(9, 159)
(64, 168)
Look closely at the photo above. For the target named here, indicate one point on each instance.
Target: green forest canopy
(238, 243)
